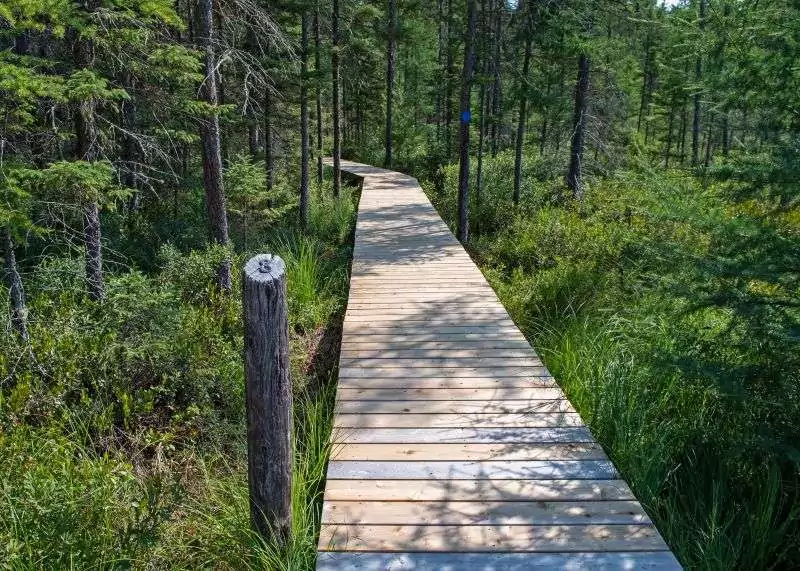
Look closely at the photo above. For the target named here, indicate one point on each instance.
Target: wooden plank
(473, 470)
(367, 345)
(436, 393)
(412, 382)
(596, 561)
(423, 338)
(490, 538)
(390, 362)
(471, 420)
(394, 353)
(483, 513)
(444, 371)
(377, 452)
(486, 490)
(431, 331)
(461, 435)
(454, 407)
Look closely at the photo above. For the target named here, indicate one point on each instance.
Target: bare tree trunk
(466, 86)
(129, 145)
(337, 111)
(670, 124)
(19, 312)
(211, 141)
(448, 96)
(698, 75)
(726, 140)
(391, 55)
(482, 106)
(269, 155)
(543, 131)
(252, 134)
(86, 150)
(318, 78)
(574, 175)
(496, 85)
(441, 31)
(523, 102)
(682, 133)
(709, 145)
(304, 146)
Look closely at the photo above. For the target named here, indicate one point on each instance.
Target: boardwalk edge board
(453, 447)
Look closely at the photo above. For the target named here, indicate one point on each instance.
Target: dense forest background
(625, 173)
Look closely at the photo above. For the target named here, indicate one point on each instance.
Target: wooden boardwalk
(454, 448)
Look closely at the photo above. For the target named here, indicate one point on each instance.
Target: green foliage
(79, 182)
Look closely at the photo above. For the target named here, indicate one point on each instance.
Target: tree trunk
(698, 76)
(726, 141)
(466, 85)
(682, 133)
(129, 145)
(670, 125)
(523, 102)
(574, 175)
(496, 85)
(337, 119)
(86, 150)
(304, 150)
(19, 312)
(269, 155)
(211, 142)
(482, 106)
(391, 55)
(448, 94)
(441, 32)
(318, 78)
(252, 134)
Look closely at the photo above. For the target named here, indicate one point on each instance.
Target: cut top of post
(264, 268)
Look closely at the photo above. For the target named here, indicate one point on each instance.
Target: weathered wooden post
(269, 396)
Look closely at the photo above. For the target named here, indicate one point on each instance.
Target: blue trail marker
(466, 116)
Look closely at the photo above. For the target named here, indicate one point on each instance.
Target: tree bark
(269, 155)
(670, 125)
(211, 142)
(19, 312)
(337, 111)
(252, 135)
(698, 76)
(129, 146)
(391, 56)
(726, 140)
(574, 175)
(523, 102)
(318, 78)
(497, 91)
(304, 146)
(448, 82)
(482, 106)
(466, 86)
(268, 396)
(86, 149)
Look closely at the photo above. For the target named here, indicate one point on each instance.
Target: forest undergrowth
(122, 435)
